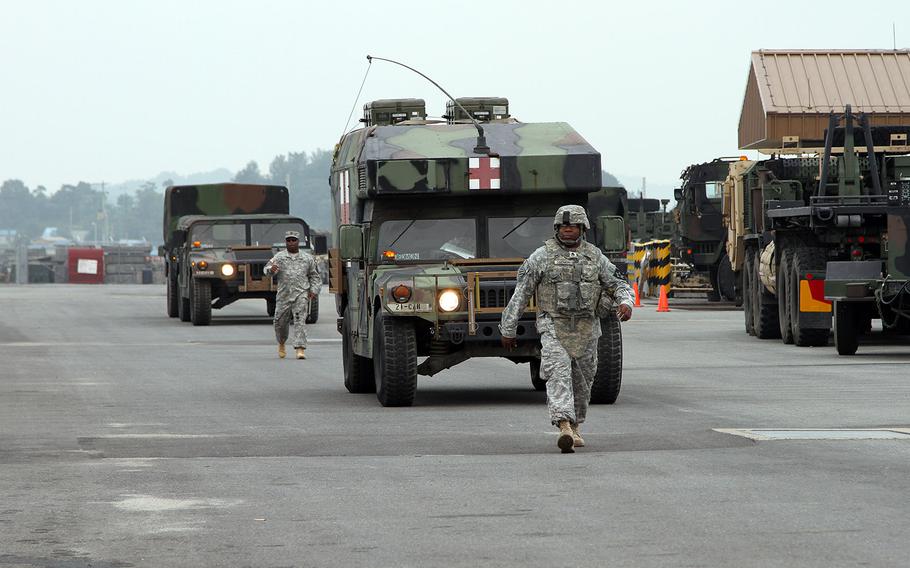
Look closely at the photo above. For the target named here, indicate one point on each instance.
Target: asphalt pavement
(128, 438)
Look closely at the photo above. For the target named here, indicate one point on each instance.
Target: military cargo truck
(431, 228)
(649, 220)
(798, 221)
(698, 239)
(218, 238)
(827, 204)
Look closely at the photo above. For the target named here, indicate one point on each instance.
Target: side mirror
(350, 242)
(678, 194)
(179, 238)
(320, 244)
(613, 230)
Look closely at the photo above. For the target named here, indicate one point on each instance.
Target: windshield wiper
(526, 219)
(391, 244)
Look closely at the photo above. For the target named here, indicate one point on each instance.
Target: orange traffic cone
(637, 296)
(663, 304)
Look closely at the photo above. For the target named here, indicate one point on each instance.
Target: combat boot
(300, 353)
(565, 440)
(281, 351)
(579, 442)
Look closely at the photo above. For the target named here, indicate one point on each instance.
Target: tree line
(83, 211)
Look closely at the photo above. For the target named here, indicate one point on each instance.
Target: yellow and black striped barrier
(650, 265)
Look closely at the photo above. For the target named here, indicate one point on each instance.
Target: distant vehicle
(699, 235)
(218, 238)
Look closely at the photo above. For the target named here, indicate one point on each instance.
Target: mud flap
(814, 310)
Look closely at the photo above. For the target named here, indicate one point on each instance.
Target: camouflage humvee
(431, 234)
(218, 238)
(221, 260)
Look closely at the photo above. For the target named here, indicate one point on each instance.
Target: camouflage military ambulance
(431, 228)
(218, 238)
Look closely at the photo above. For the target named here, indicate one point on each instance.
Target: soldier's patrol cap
(292, 235)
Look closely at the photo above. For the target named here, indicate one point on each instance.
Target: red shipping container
(86, 265)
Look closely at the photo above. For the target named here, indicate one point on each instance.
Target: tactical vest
(570, 286)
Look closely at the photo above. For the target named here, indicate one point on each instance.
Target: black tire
(726, 279)
(183, 306)
(200, 302)
(783, 296)
(394, 360)
(805, 259)
(764, 313)
(312, 315)
(358, 371)
(608, 379)
(846, 328)
(173, 296)
(270, 307)
(748, 261)
(537, 381)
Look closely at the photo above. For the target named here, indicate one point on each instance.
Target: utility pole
(21, 259)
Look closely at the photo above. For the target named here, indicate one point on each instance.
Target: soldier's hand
(312, 295)
(274, 269)
(623, 312)
(509, 343)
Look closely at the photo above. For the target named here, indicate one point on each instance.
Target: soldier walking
(572, 278)
(298, 283)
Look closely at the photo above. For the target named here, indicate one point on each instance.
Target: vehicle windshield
(272, 234)
(220, 235)
(518, 237)
(428, 239)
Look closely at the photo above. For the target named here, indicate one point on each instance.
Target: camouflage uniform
(297, 278)
(569, 286)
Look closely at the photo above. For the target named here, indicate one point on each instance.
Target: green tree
(250, 174)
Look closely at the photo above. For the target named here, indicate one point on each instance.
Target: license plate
(410, 307)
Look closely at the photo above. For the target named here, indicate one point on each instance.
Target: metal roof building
(789, 94)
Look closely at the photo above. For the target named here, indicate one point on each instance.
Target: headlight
(449, 300)
(227, 269)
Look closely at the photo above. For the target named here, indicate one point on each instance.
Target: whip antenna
(357, 98)
(481, 147)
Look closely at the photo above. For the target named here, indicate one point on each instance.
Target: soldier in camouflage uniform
(574, 281)
(298, 283)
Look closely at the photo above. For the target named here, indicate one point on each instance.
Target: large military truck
(805, 220)
(828, 204)
(432, 226)
(218, 238)
(698, 240)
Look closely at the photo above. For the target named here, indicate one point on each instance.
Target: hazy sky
(114, 90)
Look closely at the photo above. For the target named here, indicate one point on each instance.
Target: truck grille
(495, 294)
(256, 269)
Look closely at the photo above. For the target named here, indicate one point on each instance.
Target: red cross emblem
(483, 173)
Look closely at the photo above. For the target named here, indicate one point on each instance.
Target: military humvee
(218, 238)
(431, 228)
(221, 260)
